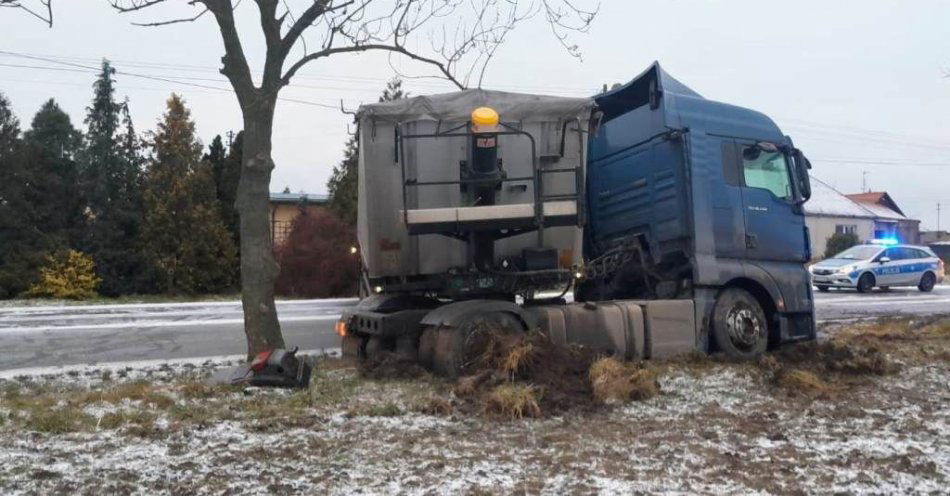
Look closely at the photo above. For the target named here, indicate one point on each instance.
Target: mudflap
(271, 368)
(795, 327)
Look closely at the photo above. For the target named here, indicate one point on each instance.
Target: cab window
(765, 166)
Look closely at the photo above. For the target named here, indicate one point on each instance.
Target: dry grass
(613, 381)
(519, 358)
(57, 420)
(387, 409)
(802, 382)
(513, 401)
(141, 391)
(434, 405)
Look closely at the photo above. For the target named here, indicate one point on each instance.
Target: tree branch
(44, 13)
(235, 63)
(364, 48)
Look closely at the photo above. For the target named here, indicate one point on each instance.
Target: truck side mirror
(802, 166)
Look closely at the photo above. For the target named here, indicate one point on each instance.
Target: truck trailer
(674, 221)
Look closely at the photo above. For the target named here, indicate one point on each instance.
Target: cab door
(774, 224)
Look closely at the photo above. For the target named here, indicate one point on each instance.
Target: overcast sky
(860, 85)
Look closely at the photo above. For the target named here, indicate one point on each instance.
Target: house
(286, 206)
(889, 220)
(873, 215)
(928, 237)
(828, 212)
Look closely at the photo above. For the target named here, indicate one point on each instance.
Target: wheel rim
(929, 281)
(744, 327)
(865, 282)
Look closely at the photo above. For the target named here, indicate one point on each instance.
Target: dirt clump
(557, 374)
(518, 375)
(386, 366)
(839, 357)
(613, 381)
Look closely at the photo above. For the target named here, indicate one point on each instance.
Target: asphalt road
(47, 336)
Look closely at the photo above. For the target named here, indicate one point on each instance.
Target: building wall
(282, 218)
(928, 237)
(908, 231)
(820, 228)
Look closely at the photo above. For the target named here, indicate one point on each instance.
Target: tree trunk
(259, 269)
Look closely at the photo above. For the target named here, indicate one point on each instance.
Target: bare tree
(459, 38)
(40, 9)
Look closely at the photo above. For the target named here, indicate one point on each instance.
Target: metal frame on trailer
(537, 178)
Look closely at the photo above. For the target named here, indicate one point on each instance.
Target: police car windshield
(858, 253)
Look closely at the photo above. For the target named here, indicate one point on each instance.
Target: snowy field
(716, 427)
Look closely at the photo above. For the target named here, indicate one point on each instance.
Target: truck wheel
(375, 346)
(427, 345)
(451, 344)
(739, 325)
(865, 283)
(927, 282)
(823, 289)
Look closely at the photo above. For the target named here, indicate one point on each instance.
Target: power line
(158, 78)
(882, 162)
(375, 81)
(815, 130)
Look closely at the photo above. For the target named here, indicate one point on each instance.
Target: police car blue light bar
(885, 241)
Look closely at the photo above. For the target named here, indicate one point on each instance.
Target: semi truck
(644, 222)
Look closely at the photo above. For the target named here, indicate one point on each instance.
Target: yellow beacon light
(484, 119)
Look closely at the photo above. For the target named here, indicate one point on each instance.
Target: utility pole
(230, 135)
(938, 219)
(864, 182)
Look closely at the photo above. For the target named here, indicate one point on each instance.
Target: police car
(879, 264)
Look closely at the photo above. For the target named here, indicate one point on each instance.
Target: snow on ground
(719, 428)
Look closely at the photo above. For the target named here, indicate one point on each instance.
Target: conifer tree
(110, 175)
(39, 209)
(183, 235)
(15, 251)
(51, 146)
(343, 184)
(226, 170)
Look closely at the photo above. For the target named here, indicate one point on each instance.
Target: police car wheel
(739, 325)
(823, 289)
(865, 283)
(927, 282)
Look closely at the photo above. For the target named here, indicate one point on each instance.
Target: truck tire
(865, 283)
(739, 325)
(927, 282)
(375, 346)
(427, 345)
(450, 344)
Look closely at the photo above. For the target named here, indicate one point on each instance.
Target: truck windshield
(858, 253)
(766, 170)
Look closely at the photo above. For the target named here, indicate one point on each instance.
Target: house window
(280, 230)
(846, 229)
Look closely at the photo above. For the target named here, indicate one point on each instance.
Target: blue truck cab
(691, 198)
